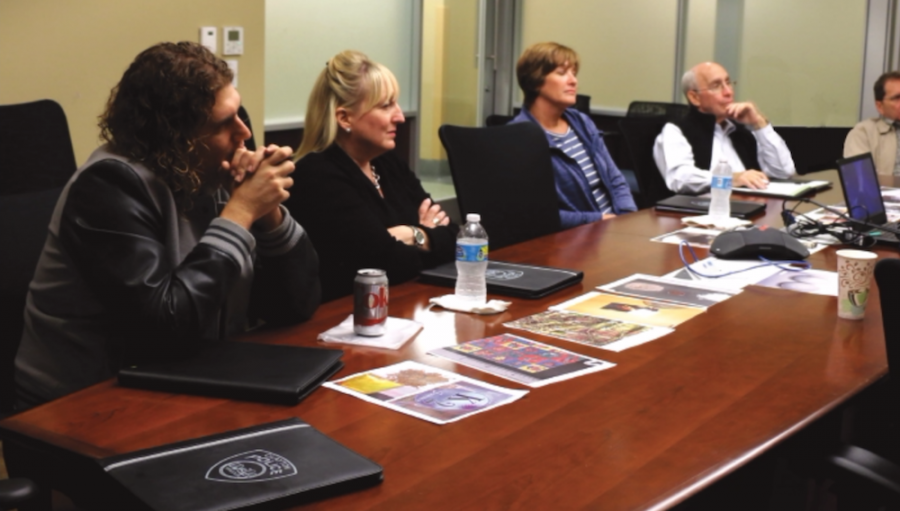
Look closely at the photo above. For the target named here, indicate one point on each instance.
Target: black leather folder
(271, 466)
(510, 279)
(700, 206)
(240, 370)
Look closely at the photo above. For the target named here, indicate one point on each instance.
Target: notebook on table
(862, 197)
(700, 206)
(240, 370)
(510, 279)
(786, 188)
(273, 465)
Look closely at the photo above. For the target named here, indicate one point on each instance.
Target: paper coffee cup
(855, 269)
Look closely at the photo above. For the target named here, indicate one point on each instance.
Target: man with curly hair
(170, 236)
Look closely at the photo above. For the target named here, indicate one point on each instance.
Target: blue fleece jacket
(576, 204)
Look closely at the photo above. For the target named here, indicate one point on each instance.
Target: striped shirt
(571, 146)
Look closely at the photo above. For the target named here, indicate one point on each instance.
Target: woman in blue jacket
(589, 186)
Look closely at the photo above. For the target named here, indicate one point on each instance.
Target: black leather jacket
(126, 277)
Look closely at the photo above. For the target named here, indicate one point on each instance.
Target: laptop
(862, 196)
(700, 206)
(510, 279)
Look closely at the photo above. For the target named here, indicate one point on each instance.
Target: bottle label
(472, 253)
(721, 182)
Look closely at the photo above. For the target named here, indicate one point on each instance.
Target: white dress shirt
(675, 157)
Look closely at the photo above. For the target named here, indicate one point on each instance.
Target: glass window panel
(449, 84)
(302, 36)
(800, 61)
(627, 48)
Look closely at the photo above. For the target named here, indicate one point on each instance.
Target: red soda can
(370, 302)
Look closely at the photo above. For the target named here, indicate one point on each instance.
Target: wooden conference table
(674, 416)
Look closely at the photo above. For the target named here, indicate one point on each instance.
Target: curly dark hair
(155, 113)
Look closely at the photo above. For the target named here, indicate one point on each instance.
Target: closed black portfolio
(270, 466)
(510, 279)
(700, 206)
(240, 370)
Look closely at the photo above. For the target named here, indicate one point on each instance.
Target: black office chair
(497, 120)
(814, 148)
(583, 104)
(668, 111)
(640, 135)
(504, 173)
(38, 161)
(882, 475)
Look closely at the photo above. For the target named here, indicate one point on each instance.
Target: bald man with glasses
(718, 128)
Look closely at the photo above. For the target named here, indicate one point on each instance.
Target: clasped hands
(261, 180)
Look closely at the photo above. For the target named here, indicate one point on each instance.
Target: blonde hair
(538, 61)
(350, 80)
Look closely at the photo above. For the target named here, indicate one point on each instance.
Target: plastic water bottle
(472, 261)
(720, 204)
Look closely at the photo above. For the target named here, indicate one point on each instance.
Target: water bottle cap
(473, 217)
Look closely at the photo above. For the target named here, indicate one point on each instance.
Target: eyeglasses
(717, 87)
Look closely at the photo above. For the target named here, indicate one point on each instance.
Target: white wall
(627, 48)
(700, 35)
(75, 52)
(802, 60)
(302, 36)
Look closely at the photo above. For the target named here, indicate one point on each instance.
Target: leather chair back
(38, 161)
(504, 173)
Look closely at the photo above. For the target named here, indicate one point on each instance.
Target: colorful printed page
(521, 360)
(608, 334)
(630, 309)
(670, 290)
(425, 392)
(694, 236)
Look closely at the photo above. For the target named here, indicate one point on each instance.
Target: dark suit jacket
(347, 220)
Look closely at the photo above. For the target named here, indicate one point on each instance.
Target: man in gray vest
(170, 236)
(880, 135)
(717, 128)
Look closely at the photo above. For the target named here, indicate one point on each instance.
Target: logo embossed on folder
(252, 467)
(503, 274)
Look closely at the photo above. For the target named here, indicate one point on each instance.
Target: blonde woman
(361, 205)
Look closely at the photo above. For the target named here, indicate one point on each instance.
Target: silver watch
(418, 236)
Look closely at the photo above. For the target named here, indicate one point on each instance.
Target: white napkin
(455, 303)
(396, 332)
(714, 222)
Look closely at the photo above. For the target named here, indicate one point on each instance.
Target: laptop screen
(862, 192)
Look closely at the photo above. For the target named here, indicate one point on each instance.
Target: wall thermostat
(233, 65)
(208, 37)
(233, 40)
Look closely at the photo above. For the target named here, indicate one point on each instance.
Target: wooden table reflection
(671, 418)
